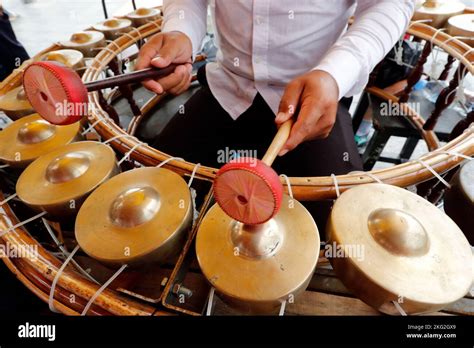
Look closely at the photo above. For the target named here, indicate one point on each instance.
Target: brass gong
(59, 181)
(142, 16)
(114, 27)
(140, 216)
(255, 267)
(73, 59)
(30, 137)
(462, 25)
(391, 245)
(15, 104)
(88, 42)
(438, 11)
(459, 200)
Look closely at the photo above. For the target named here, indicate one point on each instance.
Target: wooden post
(445, 98)
(416, 73)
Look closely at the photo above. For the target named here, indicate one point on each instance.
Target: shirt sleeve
(378, 25)
(188, 17)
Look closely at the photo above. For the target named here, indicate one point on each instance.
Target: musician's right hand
(162, 50)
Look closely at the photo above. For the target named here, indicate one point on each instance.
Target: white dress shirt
(264, 44)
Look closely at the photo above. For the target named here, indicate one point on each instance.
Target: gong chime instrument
(59, 181)
(249, 190)
(254, 268)
(87, 42)
(138, 217)
(438, 11)
(113, 28)
(411, 252)
(459, 200)
(30, 137)
(48, 85)
(142, 16)
(15, 104)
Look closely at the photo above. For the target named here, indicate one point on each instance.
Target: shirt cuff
(183, 26)
(345, 69)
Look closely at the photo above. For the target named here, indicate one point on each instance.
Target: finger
(168, 54)
(153, 86)
(148, 52)
(180, 87)
(174, 79)
(166, 83)
(289, 102)
(308, 118)
(185, 83)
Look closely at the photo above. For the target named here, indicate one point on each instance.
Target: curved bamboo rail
(309, 188)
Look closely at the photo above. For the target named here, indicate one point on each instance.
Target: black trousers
(204, 130)
(12, 51)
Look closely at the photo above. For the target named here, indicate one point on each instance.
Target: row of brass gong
(257, 246)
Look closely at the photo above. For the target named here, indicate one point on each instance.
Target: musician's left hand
(314, 97)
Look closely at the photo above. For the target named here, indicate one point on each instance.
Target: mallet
(248, 189)
(58, 94)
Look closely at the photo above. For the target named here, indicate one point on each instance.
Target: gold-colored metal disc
(15, 104)
(139, 216)
(87, 41)
(254, 268)
(59, 181)
(438, 11)
(462, 25)
(114, 27)
(30, 137)
(459, 200)
(396, 246)
(73, 59)
(142, 16)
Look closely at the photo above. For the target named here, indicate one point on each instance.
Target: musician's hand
(162, 50)
(314, 96)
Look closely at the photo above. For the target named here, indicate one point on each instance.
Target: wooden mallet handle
(136, 76)
(280, 139)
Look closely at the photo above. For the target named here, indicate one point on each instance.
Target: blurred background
(38, 23)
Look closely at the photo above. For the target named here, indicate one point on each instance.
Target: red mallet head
(56, 92)
(249, 190)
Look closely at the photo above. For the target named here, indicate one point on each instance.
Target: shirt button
(259, 19)
(257, 60)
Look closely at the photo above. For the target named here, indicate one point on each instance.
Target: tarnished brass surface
(59, 181)
(438, 11)
(409, 251)
(137, 217)
(254, 268)
(30, 137)
(114, 27)
(142, 16)
(459, 200)
(73, 59)
(87, 42)
(15, 104)
(462, 26)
